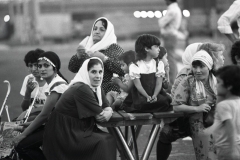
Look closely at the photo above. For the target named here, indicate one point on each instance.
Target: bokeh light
(143, 14)
(6, 18)
(186, 13)
(158, 14)
(137, 14)
(164, 12)
(150, 14)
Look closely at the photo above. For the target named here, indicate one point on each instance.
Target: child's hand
(149, 98)
(166, 68)
(31, 84)
(154, 99)
(80, 51)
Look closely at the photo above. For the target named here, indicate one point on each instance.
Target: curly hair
(235, 51)
(145, 41)
(230, 71)
(213, 50)
(32, 56)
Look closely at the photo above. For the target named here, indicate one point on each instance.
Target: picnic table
(135, 122)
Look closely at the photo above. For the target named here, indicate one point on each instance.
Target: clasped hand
(152, 99)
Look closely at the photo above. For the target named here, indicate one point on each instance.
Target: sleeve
(182, 93)
(224, 22)
(23, 89)
(134, 71)
(112, 63)
(163, 22)
(160, 70)
(105, 102)
(176, 83)
(75, 63)
(224, 111)
(60, 88)
(86, 102)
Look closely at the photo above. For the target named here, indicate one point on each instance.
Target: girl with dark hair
(71, 132)
(101, 43)
(27, 144)
(235, 53)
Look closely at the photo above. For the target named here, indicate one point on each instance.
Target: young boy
(115, 99)
(226, 127)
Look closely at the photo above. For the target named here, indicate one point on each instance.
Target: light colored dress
(186, 94)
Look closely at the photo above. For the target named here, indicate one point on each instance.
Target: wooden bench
(135, 121)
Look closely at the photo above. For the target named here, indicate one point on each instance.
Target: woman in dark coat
(71, 132)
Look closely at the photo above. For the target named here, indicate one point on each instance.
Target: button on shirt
(232, 14)
(171, 22)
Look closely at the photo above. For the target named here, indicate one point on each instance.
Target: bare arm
(139, 87)
(158, 86)
(123, 86)
(191, 109)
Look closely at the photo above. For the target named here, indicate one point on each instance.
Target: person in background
(235, 53)
(71, 132)
(227, 18)
(147, 75)
(28, 143)
(226, 127)
(28, 89)
(114, 98)
(101, 43)
(169, 28)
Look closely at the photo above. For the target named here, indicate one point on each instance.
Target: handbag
(208, 117)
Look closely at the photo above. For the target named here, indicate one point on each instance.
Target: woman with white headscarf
(71, 131)
(101, 43)
(195, 95)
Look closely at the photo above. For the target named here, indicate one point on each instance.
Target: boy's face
(221, 89)
(154, 51)
(124, 67)
(165, 60)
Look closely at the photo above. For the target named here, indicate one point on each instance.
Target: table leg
(116, 132)
(151, 141)
(126, 133)
(137, 131)
(135, 142)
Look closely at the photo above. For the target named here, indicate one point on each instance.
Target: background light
(143, 14)
(6, 18)
(158, 14)
(137, 14)
(150, 14)
(186, 13)
(164, 12)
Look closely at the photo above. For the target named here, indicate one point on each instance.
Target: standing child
(115, 99)
(147, 76)
(227, 117)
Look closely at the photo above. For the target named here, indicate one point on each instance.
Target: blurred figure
(228, 17)
(169, 26)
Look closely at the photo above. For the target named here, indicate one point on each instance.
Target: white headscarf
(189, 52)
(83, 76)
(204, 57)
(108, 39)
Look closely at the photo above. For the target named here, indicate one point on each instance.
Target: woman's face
(96, 75)
(165, 60)
(33, 69)
(45, 69)
(201, 72)
(98, 31)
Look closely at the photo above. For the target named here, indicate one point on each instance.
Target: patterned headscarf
(189, 52)
(83, 76)
(108, 39)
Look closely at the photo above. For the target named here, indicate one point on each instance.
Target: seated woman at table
(71, 131)
(101, 43)
(194, 95)
(180, 127)
(28, 143)
(29, 86)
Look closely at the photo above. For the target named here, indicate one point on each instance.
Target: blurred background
(59, 25)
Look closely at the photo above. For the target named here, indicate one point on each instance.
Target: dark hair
(231, 77)
(128, 57)
(32, 56)
(54, 58)
(173, 0)
(93, 62)
(145, 41)
(162, 52)
(235, 51)
(104, 22)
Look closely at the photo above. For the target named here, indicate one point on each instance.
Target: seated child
(147, 75)
(226, 127)
(115, 99)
